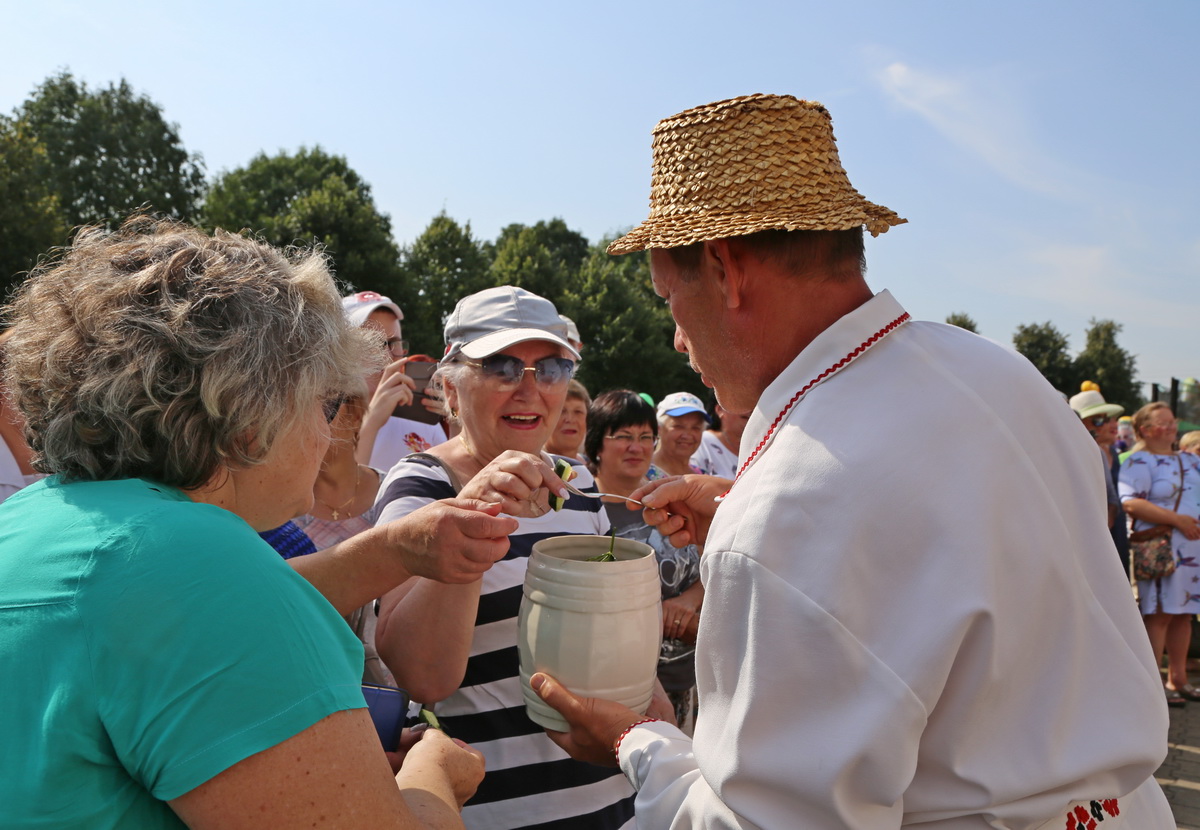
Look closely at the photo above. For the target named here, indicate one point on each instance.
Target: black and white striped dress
(530, 782)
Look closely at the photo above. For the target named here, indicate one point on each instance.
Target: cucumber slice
(564, 470)
(431, 719)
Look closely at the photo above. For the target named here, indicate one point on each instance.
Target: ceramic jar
(596, 627)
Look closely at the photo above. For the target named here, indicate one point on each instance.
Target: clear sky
(1045, 153)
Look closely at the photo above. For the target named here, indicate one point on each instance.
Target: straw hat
(749, 164)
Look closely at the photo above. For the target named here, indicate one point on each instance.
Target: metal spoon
(579, 492)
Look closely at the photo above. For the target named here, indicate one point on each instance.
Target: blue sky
(1045, 153)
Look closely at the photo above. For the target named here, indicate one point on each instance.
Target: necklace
(791, 404)
(337, 511)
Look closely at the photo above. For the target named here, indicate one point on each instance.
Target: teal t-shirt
(147, 643)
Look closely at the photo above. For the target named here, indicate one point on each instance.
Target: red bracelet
(628, 729)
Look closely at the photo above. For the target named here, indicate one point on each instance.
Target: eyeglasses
(624, 439)
(396, 346)
(1099, 420)
(508, 370)
(331, 406)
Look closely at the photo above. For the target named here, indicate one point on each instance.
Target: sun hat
(358, 307)
(755, 163)
(681, 403)
(494, 319)
(1089, 403)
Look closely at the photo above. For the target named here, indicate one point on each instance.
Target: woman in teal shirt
(163, 666)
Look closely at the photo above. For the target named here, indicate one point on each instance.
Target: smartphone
(388, 706)
(420, 371)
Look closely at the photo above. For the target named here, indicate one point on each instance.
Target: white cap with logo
(358, 307)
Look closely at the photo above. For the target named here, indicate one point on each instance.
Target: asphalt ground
(1179, 774)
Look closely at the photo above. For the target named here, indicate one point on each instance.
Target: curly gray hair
(161, 352)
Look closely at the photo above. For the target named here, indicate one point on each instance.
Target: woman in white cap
(1159, 488)
(681, 422)
(505, 375)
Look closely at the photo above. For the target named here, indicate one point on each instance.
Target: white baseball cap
(681, 403)
(358, 307)
(490, 321)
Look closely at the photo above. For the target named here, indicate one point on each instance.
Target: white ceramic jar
(596, 627)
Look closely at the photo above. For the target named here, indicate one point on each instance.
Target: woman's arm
(425, 628)
(334, 775)
(395, 388)
(1145, 511)
(452, 541)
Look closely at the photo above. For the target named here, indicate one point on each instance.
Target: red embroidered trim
(1086, 818)
(834, 369)
(628, 729)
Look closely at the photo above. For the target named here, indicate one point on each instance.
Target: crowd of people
(233, 497)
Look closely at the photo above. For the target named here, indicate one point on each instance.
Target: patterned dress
(1156, 478)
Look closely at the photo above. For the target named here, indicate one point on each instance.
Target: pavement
(1179, 774)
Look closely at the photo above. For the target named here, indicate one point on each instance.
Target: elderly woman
(681, 422)
(567, 438)
(505, 375)
(1159, 487)
(163, 666)
(621, 435)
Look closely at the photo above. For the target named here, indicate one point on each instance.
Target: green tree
(963, 321)
(30, 219)
(311, 196)
(544, 258)
(1046, 348)
(109, 152)
(627, 331)
(443, 265)
(1110, 366)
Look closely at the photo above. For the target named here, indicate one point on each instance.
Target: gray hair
(161, 352)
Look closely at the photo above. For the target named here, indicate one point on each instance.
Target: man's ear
(726, 259)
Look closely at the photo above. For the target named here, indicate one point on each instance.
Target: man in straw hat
(898, 630)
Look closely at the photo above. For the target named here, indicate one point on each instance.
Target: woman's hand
(1187, 525)
(520, 482)
(434, 751)
(452, 541)
(681, 614)
(682, 507)
(394, 389)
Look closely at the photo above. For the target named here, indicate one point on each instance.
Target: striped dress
(530, 782)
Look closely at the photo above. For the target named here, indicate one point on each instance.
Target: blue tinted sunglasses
(509, 370)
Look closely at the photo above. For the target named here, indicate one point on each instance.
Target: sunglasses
(331, 406)
(1099, 420)
(508, 370)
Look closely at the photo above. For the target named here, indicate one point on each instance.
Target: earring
(453, 412)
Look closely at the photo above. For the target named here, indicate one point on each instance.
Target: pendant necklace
(337, 511)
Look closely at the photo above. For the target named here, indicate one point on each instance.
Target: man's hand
(452, 541)
(682, 507)
(595, 724)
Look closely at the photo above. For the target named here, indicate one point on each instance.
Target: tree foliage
(109, 152)
(30, 219)
(1110, 366)
(963, 321)
(443, 265)
(1046, 348)
(308, 197)
(627, 331)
